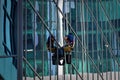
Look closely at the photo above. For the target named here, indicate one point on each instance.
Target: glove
(68, 49)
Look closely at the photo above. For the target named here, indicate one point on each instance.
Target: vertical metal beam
(69, 65)
(19, 39)
(76, 42)
(92, 24)
(43, 8)
(34, 38)
(64, 32)
(60, 31)
(117, 13)
(82, 20)
(87, 45)
(57, 39)
(50, 25)
(107, 53)
(25, 53)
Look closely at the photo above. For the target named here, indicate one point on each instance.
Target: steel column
(19, 39)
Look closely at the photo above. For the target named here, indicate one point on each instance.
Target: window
(10, 24)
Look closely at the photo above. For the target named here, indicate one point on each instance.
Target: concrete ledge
(86, 76)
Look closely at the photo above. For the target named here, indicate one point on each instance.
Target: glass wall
(94, 22)
(7, 55)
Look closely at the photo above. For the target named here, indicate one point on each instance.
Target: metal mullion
(118, 57)
(118, 48)
(117, 13)
(76, 49)
(115, 40)
(71, 54)
(8, 56)
(50, 9)
(102, 40)
(87, 25)
(4, 24)
(43, 41)
(106, 64)
(34, 30)
(106, 33)
(92, 47)
(81, 18)
(69, 11)
(106, 58)
(77, 22)
(57, 39)
(43, 57)
(25, 54)
(65, 32)
(66, 15)
(84, 37)
(97, 35)
(20, 39)
(111, 39)
(50, 14)
(111, 57)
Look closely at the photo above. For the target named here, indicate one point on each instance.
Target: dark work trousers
(59, 55)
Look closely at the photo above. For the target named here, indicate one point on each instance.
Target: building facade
(26, 25)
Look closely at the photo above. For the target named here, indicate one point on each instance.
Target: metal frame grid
(91, 59)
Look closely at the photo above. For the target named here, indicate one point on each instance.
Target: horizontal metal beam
(8, 56)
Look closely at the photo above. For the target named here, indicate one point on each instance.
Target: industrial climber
(59, 52)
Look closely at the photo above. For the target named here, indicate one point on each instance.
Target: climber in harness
(58, 53)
